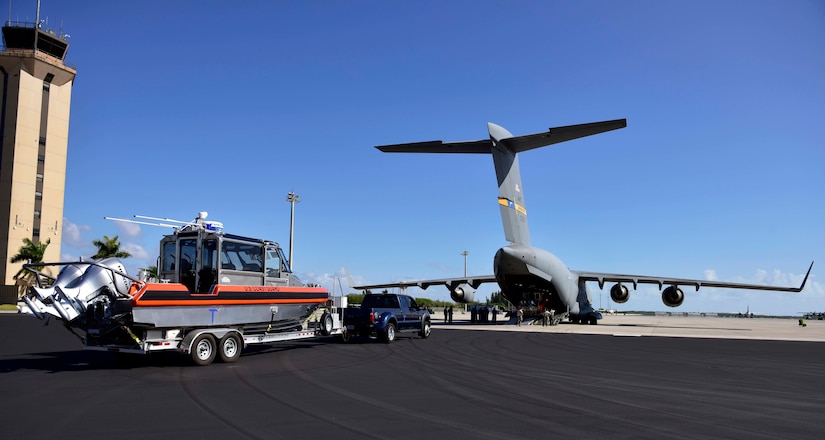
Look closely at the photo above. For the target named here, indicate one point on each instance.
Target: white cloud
(136, 250)
(68, 257)
(710, 275)
(129, 230)
(72, 233)
(334, 282)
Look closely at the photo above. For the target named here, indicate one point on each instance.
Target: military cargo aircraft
(526, 273)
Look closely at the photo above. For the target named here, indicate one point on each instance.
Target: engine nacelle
(619, 293)
(462, 293)
(673, 296)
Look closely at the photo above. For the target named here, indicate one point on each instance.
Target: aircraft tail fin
(504, 147)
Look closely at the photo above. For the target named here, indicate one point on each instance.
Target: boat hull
(172, 305)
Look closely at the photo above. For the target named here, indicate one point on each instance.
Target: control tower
(34, 128)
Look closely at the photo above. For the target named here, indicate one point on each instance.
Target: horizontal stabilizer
(562, 134)
(516, 144)
(471, 147)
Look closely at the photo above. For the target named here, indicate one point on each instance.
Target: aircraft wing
(602, 278)
(474, 282)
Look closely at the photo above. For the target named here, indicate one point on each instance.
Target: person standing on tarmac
(520, 315)
(450, 315)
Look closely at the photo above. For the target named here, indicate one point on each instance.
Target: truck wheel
(203, 349)
(230, 347)
(344, 337)
(326, 324)
(389, 335)
(425, 329)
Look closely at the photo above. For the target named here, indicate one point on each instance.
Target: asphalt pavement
(528, 382)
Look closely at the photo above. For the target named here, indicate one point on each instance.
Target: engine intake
(619, 293)
(462, 293)
(673, 296)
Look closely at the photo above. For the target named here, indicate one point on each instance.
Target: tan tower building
(34, 128)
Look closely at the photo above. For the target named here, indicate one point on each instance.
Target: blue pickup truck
(386, 315)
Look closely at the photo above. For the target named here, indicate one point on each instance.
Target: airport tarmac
(785, 329)
(462, 382)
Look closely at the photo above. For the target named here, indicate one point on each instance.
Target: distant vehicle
(818, 316)
(384, 316)
(527, 273)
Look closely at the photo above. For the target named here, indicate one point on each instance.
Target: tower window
(47, 82)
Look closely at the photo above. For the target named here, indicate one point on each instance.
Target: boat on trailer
(216, 293)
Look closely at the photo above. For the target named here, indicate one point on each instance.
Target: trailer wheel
(389, 335)
(230, 347)
(326, 324)
(425, 329)
(203, 349)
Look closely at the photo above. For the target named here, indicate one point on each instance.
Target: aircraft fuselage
(527, 273)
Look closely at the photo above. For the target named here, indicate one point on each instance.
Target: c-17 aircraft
(526, 272)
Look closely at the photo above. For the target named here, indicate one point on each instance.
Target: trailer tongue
(217, 293)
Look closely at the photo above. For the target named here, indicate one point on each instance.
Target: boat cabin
(201, 257)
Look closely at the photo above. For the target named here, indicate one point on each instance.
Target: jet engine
(619, 293)
(673, 296)
(462, 293)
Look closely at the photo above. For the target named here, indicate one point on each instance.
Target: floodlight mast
(292, 198)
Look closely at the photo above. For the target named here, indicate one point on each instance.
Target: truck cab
(384, 315)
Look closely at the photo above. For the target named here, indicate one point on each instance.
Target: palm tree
(30, 252)
(152, 273)
(109, 247)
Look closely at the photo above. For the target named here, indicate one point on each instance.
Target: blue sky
(225, 107)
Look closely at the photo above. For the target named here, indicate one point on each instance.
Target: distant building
(34, 128)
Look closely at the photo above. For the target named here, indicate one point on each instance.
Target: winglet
(806, 277)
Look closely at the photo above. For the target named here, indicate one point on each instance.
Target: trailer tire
(389, 334)
(230, 347)
(326, 324)
(204, 349)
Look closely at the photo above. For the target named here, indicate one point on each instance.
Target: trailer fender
(217, 333)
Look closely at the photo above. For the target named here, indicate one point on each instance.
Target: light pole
(292, 198)
(464, 254)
